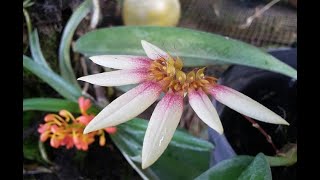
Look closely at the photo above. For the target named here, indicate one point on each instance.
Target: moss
(49, 42)
(35, 87)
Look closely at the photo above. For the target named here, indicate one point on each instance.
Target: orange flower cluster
(65, 130)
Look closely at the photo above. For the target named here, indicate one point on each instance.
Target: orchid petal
(122, 61)
(152, 51)
(126, 107)
(162, 125)
(116, 78)
(245, 105)
(205, 110)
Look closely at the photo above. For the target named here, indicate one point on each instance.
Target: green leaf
(195, 47)
(50, 104)
(64, 49)
(27, 3)
(227, 169)
(54, 105)
(28, 119)
(259, 169)
(43, 152)
(36, 50)
(64, 88)
(239, 167)
(288, 156)
(31, 150)
(185, 158)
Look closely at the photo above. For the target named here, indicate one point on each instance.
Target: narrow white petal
(122, 61)
(162, 125)
(126, 107)
(152, 51)
(116, 78)
(245, 105)
(205, 110)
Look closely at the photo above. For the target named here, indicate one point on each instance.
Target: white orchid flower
(159, 72)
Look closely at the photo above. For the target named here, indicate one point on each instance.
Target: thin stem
(28, 21)
(37, 170)
(268, 137)
(43, 153)
(258, 14)
(95, 15)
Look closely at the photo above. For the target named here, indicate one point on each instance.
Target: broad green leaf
(31, 150)
(288, 156)
(227, 169)
(185, 158)
(64, 88)
(195, 47)
(28, 119)
(36, 50)
(53, 105)
(259, 169)
(240, 167)
(64, 49)
(50, 104)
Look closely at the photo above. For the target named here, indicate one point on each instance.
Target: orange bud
(55, 142)
(102, 140)
(111, 130)
(84, 104)
(44, 136)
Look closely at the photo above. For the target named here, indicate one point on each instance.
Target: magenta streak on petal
(126, 107)
(161, 127)
(142, 62)
(122, 61)
(219, 89)
(139, 74)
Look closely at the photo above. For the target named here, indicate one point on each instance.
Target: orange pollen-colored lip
(168, 72)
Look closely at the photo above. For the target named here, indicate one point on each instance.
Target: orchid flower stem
(268, 137)
(258, 13)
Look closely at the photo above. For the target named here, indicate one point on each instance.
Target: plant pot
(273, 90)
